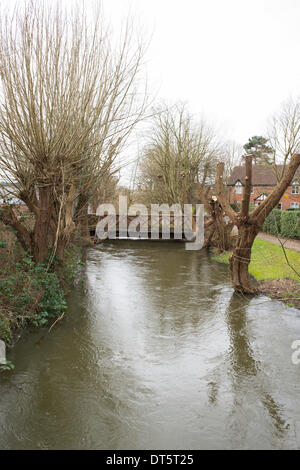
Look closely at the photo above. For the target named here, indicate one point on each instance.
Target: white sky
(234, 61)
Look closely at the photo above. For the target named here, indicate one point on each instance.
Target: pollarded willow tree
(249, 223)
(180, 152)
(217, 228)
(69, 100)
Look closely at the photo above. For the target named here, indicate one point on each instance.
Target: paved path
(291, 244)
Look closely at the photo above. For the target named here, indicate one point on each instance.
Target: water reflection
(247, 371)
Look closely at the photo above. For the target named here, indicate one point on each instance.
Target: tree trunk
(8, 217)
(217, 230)
(42, 225)
(209, 230)
(223, 229)
(61, 247)
(240, 259)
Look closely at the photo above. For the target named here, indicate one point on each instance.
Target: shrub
(29, 294)
(4, 328)
(272, 223)
(290, 224)
(52, 301)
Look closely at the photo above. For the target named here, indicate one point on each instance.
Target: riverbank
(30, 295)
(276, 270)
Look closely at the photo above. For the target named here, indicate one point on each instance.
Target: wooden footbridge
(162, 227)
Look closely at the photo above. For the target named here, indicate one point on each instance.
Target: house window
(294, 205)
(295, 189)
(252, 190)
(279, 206)
(238, 188)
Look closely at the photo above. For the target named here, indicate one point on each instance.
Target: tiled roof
(262, 175)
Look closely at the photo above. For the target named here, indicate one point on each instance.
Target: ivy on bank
(31, 295)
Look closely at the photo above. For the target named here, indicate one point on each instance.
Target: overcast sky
(234, 61)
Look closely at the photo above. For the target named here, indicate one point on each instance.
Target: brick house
(263, 181)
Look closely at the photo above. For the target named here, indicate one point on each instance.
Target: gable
(261, 197)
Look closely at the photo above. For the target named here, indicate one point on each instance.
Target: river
(155, 352)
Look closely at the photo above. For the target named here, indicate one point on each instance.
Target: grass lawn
(268, 261)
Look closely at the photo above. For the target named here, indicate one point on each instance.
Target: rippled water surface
(155, 352)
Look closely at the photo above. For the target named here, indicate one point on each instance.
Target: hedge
(272, 223)
(284, 223)
(290, 224)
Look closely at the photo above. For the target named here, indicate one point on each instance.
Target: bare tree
(232, 154)
(284, 134)
(180, 152)
(69, 101)
(249, 224)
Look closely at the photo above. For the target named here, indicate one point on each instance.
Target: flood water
(155, 352)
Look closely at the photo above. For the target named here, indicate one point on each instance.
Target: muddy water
(156, 352)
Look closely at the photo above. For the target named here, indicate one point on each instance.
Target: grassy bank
(269, 266)
(30, 295)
